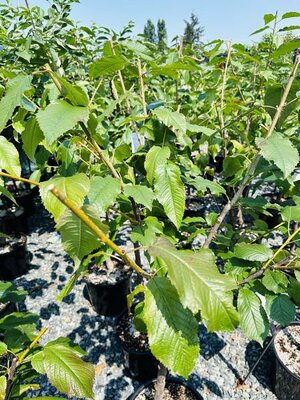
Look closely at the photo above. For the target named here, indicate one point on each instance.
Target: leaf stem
(101, 235)
(139, 65)
(19, 178)
(267, 264)
(32, 344)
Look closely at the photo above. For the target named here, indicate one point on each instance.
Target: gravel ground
(224, 357)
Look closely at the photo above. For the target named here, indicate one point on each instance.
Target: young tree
(149, 32)
(193, 31)
(161, 34)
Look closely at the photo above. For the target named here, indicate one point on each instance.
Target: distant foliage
(193, 31)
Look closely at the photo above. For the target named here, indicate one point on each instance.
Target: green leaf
(170, 192)
(295, 290)
(252, 252)
(172, 329)
(20, 337)
(8, 194)
(9, 293)
(17, 319)
(78, 240)
(282, 310)
(269, 18)
(75, 188)
(138, 48)
(147, 232)
(273, 96)
(60, 117)
(13, 97)
(31, 137)
(253, 319)
(290, 14)
(2, 386)
(202, 185)
(74, 93)
(291, 213)
(174, 121)
(156, 156)
(260, 30)
(141, 194)
(297, 274)
(68, 287)
(200, 286)
(107, 65)
(103, 192)
(65, 369)
(287, 47)
(18, 390)
(9, 157)
(280, 150)
(275, 281)
(3, 348)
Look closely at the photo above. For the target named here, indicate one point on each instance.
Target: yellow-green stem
(19, 178)
(98, 232)
(32, 344)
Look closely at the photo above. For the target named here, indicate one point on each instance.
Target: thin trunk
(160, 382)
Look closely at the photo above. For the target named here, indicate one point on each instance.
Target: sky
(231, 20)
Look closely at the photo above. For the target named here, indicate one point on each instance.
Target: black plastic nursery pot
(191, 393)
(14, 258)
(25, 199)
(7, 308)
(139, 364)
(287, 383)
(13, 220)
(109, 299)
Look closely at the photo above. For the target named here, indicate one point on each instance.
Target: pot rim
(172, 379)
(297, 377)
(124, 278)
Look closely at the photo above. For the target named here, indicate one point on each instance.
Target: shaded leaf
(8, 292)
(275, 281)
(253, 319)
(17, 319)
(280, 150)
(282, 309)
(74, 93)
(31, 137)
(174, 121)
(252, 252)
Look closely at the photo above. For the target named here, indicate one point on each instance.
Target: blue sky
(223, 19)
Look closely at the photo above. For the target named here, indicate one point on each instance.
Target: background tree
(161, 34)
(149, 32)
(193, 31)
